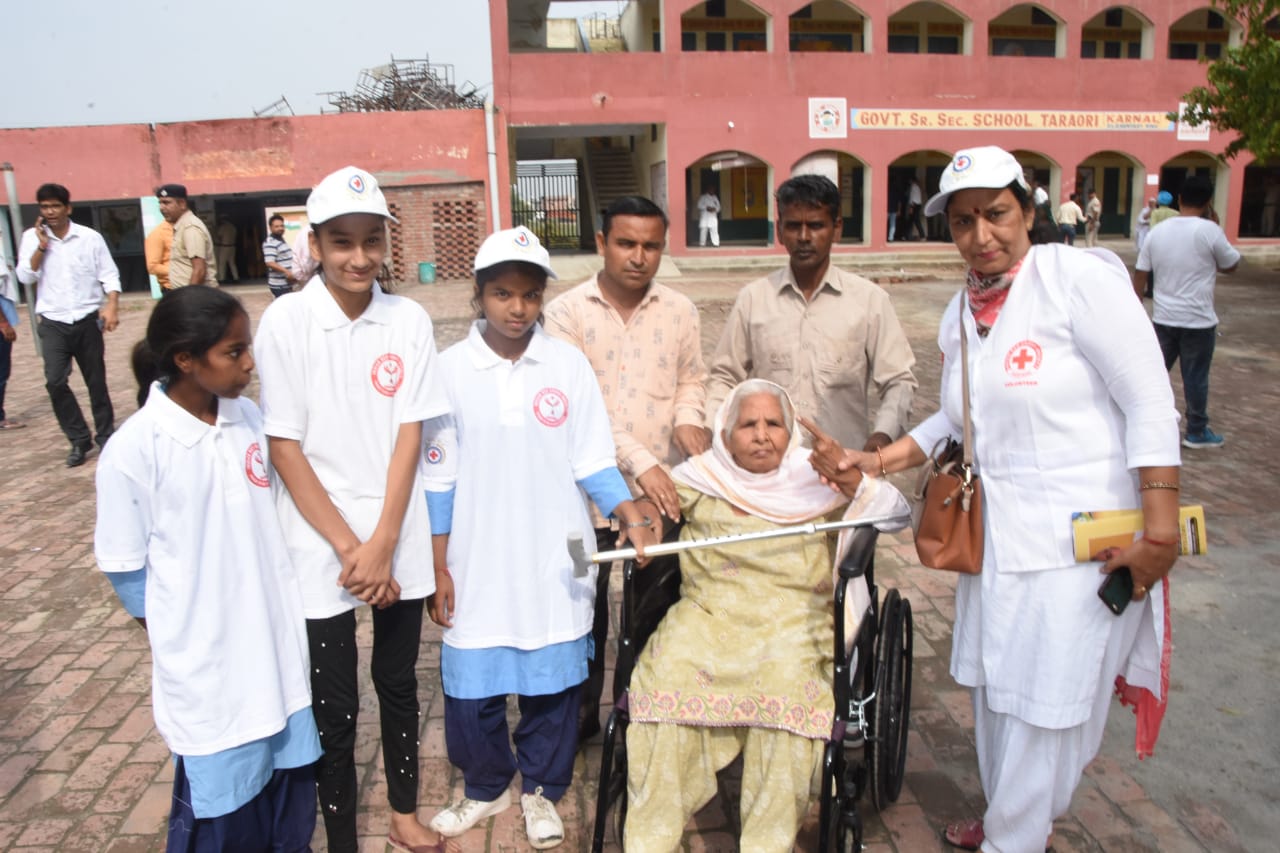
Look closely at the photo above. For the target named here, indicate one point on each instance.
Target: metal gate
(545, 200)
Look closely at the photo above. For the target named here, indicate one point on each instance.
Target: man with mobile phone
(71, 269)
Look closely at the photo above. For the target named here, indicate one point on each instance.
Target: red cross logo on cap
(522, 239)
(356, 183)
(961, 163)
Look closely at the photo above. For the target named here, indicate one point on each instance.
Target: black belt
(85, 319)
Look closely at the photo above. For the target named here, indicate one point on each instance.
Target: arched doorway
(1119, 180)
(924, 169)
(742, 182)
(850, 175)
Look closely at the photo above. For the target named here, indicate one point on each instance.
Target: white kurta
(1069, 397)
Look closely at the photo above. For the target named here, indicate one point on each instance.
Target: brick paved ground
(81, 767)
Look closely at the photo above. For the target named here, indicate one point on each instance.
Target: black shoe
(77, 455)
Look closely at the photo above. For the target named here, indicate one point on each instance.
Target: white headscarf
(789, 494)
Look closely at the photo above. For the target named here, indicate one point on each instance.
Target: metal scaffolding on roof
(406, 84)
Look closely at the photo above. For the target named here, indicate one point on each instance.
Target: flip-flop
(8, 424)
(438, 847)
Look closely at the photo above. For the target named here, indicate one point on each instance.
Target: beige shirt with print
(650, 369)
(828, 353)
(191, 239)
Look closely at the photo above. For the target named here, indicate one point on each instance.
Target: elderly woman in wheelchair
(743, 662)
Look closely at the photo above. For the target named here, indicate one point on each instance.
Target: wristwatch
(648, 522)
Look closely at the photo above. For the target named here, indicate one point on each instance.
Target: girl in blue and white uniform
(528, 436)
(187, 533)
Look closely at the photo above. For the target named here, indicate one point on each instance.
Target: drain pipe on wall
(495, 211)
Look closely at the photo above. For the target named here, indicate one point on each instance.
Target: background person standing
(158, 247)
(226, 250)
(71, 268)
(191, 260)
(1188, 252)
(278, 258)
(8, 334)
(709, 217)
(1092, 219)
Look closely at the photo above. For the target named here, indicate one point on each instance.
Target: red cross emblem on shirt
(1023, 358)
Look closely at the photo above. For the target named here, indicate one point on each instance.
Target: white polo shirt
(192, 504)
(343, 388)
(527, 432)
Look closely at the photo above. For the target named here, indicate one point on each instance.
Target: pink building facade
(740, 95)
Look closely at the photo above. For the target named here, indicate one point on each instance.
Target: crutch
(582, 561)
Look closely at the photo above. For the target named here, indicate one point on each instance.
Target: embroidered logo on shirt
(255, 467)
(387, 374)
(1023, 359)
(550, 407)
(435, 454)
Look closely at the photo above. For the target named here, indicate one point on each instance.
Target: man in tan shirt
(191, 258)
(826, 335)
(644, 341)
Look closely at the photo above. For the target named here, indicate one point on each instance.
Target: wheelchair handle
(582, 561)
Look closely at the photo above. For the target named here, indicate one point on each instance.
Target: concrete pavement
(81, 767)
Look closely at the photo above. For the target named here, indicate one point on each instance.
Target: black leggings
(335, 699)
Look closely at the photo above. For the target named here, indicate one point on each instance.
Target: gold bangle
(1160, 484)
(880, 456)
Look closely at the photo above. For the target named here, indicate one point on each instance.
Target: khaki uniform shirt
(828, 353)
(650, 369)
(191, 239)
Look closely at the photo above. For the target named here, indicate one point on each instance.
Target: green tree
(1243, 94)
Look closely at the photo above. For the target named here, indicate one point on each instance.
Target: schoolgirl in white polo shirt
(528, 434)
(188, 536)
(348, 377)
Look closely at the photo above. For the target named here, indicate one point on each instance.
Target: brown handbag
(948, 526)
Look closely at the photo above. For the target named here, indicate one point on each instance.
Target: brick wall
(444, 223)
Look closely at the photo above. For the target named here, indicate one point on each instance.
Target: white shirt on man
(342, 388)
(526, 432)
(708, 210)
(1185, 254)
(74, 273)
(191, 503)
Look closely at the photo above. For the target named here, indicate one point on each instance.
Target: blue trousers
(1193, 349)
(546, 740)
(281, 819)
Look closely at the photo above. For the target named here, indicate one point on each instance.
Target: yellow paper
(1117, 528)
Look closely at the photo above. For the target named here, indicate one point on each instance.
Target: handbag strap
(964, 382)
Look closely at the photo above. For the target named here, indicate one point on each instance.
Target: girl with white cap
(528, 435)
(1071, 411)
(348, 376)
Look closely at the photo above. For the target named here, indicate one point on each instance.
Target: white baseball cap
(348, 190)
(987, 167)
(513, 244)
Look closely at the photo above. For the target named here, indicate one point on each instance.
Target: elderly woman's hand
(838, 468)
(1148, 562)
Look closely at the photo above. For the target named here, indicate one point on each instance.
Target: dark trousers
(335, 699)
(1068, 233)
(82, 341)
(281, 818)
(546, 740)
(1193, 348)
(6, 362)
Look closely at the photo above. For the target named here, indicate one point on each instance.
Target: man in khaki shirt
(191, 258)
(644, 342)
(826, 335)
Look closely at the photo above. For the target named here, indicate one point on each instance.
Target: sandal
(438, 847)
(968, 835)
(8, 424)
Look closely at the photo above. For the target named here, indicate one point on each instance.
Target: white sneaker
(541, 823)
(465, 814)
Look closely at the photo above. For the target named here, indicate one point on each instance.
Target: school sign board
(862, 118)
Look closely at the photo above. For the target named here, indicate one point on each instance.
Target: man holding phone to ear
(71, 269)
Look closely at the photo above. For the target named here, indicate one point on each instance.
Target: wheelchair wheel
(888, 755)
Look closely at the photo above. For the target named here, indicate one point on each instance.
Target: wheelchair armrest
(861, 553)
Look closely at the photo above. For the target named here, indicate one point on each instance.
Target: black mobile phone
(1117, 590)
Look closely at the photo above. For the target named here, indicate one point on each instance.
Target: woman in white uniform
(1071, 411)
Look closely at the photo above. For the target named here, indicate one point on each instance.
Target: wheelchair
(867, 750)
